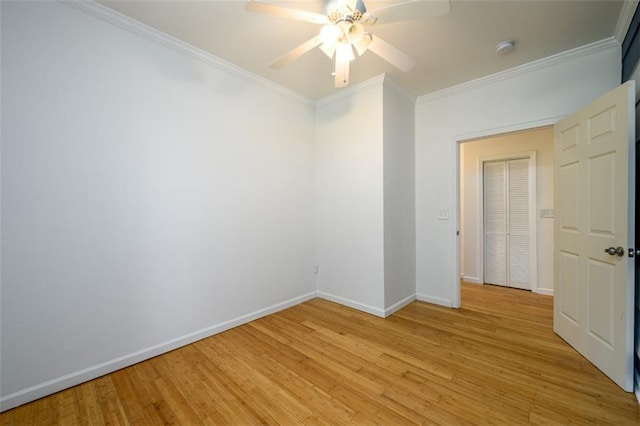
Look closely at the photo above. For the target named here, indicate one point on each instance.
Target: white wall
(349, 188)
(528, 97)
(365, 192)
(399, 190)
(148, 199)
(471, 154)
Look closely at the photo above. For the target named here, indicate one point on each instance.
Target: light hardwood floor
(495, 361)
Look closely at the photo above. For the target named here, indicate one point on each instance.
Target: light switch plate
(547, 213)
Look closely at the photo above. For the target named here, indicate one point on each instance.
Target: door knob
(613, 251)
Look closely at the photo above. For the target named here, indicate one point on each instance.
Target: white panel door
(506, 223)
(594, 193)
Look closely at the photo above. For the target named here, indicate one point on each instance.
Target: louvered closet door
(506, 223)
(495, 223)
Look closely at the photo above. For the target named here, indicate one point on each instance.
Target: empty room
(319, 212)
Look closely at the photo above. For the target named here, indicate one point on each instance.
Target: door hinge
(633, 252)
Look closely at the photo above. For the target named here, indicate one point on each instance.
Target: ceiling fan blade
(285, 12)
(351, 4)
(410, 9)
(295, 53)
(368, 19)
(342, 74)
(395, 57)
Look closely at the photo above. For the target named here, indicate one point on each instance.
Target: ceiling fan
(343, 30)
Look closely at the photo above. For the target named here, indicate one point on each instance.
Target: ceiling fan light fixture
(343, 31)
(362, 45)
(330, 34)
(355, 32)
(344, 53)
(328, 49)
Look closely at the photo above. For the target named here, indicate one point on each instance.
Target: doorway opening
(502, 242)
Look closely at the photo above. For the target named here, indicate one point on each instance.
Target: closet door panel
(518, 223)
(495, 223)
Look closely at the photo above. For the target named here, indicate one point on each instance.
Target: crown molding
(578, 52)
(400, 90)
(350, 91)
(624, 20)
(126, 23)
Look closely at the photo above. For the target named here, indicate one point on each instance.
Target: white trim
(549, 61)
(399, 305)
(544, 291)
(518, 127)
(352, 304)
(456, 296)
(350, 91)
(637, 385)
(625, 18)
(508, 155)
(126, 23)
(455, 143)
(461, 256)
(72, 379)
(472, 280)
(435, 300)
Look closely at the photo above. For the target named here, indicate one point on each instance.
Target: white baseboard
(434, 300)
(399, 305)
(77, 377)
(352, 304)
(545, 291)
(472, 280)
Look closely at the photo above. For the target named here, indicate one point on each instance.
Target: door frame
(455, 144)
(533, 208)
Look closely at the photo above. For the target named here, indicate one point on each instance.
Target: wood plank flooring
(495, 361)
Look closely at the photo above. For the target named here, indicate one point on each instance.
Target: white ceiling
(449, 50)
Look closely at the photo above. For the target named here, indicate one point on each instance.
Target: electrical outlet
(443, 215)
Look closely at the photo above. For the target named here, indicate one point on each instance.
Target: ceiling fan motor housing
(344, 11)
